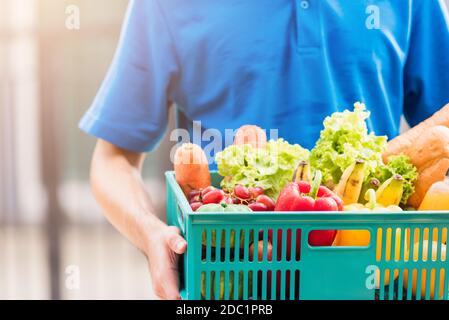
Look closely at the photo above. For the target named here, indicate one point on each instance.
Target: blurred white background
(51, 230)
(50, 226)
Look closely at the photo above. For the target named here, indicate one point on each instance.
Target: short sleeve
(131, 107)
(426, 74)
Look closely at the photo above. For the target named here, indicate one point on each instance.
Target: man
(282, 64)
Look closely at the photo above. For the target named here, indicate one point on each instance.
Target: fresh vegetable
(203, 192)
(270, 167)
(195, 205)
(255, 191)
(344, 139)
(406, 142)
(242, 192)
(399, 164)
(351, 182)
(252, 135)
(294, 198)
(253, 198)
(191, 168)
(213, 196)
(428, 148)
(266, 201)
(257, 206)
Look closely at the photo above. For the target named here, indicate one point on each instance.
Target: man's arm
(118, 187)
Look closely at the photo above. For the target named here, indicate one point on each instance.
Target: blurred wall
(50, 224)
(50, 75)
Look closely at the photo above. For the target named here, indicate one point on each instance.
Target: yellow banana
(302, 172)
(390, 192)
(351, 182)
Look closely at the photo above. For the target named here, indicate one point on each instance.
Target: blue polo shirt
(279, 64)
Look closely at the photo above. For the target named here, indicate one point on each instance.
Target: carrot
(191, 168)
(250, 134)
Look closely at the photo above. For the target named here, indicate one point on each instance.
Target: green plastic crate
(307, 272)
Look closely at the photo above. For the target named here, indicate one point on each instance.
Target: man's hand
(117, 184)
(163, 250)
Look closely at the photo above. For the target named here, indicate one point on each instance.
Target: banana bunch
(352, 187)
(303, 172)
(351, 182)
(390, 192)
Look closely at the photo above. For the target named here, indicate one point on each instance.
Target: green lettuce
(402, 165)
(344, 139)
(270, 167)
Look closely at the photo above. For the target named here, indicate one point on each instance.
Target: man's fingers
(176, 242)
(165, 278)
(163, 260)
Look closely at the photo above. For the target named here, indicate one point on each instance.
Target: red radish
(206, 190)
(195, 205)
(256, 206)
(194, 193)
(241, 192)
(255, 191)
(267, 201)
(214, 196)
(196, 198)
(228, 200)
